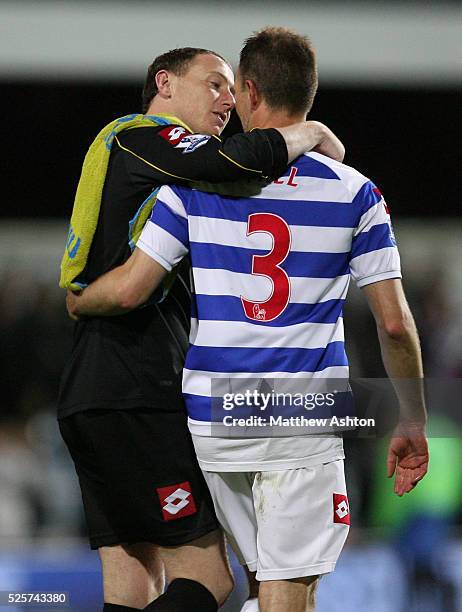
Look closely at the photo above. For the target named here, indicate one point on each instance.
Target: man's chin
(216, 130)
(209, 130)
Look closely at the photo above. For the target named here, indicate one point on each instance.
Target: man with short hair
(120, 407)
(271, 273)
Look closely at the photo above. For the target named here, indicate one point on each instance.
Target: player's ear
(254, 95)
(163, 83)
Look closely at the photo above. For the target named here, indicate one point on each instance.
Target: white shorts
(284, 524)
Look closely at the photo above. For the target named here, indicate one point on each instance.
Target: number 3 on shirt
(269, 265)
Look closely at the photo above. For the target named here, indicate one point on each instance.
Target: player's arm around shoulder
(312, 136)
(175, 155)
(120, 290)
(399, 342)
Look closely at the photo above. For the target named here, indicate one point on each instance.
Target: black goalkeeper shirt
(135, 360)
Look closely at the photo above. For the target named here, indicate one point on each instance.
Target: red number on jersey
(269, 265)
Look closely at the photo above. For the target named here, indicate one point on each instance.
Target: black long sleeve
(172, 155)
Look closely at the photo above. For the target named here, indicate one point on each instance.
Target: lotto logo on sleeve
(176, 501)
(173, 134)
(341, 509)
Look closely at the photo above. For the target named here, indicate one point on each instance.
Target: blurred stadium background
(391, 88)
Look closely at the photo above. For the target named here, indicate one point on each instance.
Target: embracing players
(271, 273)
(120, 407)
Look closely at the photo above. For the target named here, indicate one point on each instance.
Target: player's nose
(228, 100)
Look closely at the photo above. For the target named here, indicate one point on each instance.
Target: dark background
(402, 554)
(407, 141)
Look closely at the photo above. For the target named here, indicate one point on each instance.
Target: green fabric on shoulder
(87, 201)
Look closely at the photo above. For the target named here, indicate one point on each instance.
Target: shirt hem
(374, 278)
(154, 254)
(272, 465)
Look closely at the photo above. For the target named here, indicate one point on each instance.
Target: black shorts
(139, 477)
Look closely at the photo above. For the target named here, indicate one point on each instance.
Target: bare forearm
(402, 359)
(311, 135)
(100, 298)
(399, 341)
(119, 290)
(401, 352)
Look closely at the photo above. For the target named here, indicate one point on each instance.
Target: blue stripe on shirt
(163, 216)
(366, 197)
(224, 359)
(295, 212)
(210, 409)
(237, 259)
(229, 308)
(378, 237)
(308, 166)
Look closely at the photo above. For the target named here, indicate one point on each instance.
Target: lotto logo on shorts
(341, 509)
(176, 501)
(173, 134)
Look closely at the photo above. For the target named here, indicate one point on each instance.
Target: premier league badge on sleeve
(192, 142)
